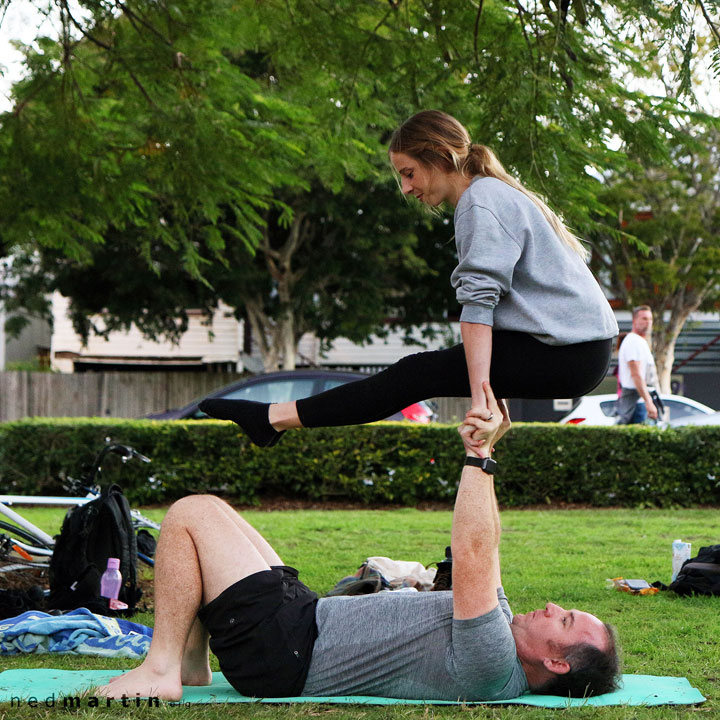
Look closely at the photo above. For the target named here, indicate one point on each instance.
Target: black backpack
(699, 575)
(90, 534)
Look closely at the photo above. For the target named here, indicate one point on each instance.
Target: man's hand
(482, 428)
(651, 409)
(642, 389)
(472, 437)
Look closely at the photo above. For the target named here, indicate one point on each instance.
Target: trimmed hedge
(631, 466)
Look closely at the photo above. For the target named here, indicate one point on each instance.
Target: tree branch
(709, 21)
(109, 48)
(134, 16)
(83, 31)
(353, 81)
(475, 31)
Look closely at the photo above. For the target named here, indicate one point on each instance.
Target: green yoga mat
(48, 688)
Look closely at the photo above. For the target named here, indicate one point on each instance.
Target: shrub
(631, 466)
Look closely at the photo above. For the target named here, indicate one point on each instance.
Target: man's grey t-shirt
(407, 645)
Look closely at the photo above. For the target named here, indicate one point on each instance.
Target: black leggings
(521, 367)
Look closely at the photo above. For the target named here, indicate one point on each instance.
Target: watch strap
(487, 464)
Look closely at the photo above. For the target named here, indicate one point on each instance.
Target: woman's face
(429, 185)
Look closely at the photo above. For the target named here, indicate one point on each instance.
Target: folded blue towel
(78, 632)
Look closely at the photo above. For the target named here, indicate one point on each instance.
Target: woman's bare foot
(142, 682)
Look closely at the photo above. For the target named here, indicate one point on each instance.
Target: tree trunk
(276, 337)
(666, 334)
(263, 331)
(665, 358)
(286, 339)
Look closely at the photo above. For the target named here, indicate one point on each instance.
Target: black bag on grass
(90, 534)
(699, 575)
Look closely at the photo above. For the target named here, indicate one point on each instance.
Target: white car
(711, 419)
(600, 410)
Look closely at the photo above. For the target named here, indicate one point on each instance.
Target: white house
(203, 346)
(219, 345)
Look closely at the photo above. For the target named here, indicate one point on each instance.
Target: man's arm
(640, 385)
(476, 522)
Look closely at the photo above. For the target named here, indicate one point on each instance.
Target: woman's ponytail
(438, 140)
(481, 160)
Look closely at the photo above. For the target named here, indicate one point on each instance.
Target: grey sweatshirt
(515, 273)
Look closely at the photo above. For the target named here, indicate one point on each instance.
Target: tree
(345, 265)
(192, 133)
(141, 121)
(337, 266)
(674, 211)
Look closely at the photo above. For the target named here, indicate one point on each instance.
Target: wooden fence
(111, 394)
(126, 395)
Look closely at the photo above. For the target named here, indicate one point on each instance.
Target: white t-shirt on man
(635, 347)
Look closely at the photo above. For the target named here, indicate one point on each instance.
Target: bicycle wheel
(18, 555)
(23, 535)
(18, 565)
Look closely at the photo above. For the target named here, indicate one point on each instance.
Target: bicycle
(24, 545)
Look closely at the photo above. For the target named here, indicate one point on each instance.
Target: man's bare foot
(142, 682)
(197, 676)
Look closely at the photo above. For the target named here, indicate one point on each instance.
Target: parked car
(711, 419)
(600, 410)
(285, 386)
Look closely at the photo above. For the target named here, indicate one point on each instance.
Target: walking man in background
(636, 371)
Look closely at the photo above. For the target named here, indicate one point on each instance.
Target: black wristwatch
(487, 464)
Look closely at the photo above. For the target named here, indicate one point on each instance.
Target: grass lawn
(563, 556)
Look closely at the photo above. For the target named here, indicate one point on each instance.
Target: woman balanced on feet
(534, 320)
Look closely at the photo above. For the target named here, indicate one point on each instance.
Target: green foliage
(153, 148)
(380, 463)
(673, 210)
(134, 130)
(34, 365)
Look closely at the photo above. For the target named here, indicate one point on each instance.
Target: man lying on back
(218, 580)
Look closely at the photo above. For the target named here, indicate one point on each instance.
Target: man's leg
(204, 548)
(639, 415)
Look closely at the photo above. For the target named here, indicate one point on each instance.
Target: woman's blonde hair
(438, 140)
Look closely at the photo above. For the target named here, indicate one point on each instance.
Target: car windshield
(331, 383)
(681, 410)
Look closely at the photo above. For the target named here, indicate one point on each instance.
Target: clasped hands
(484, 426)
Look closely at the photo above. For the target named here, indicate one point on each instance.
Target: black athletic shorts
(262, 630)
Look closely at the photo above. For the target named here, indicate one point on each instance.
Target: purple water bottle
(111, 579)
